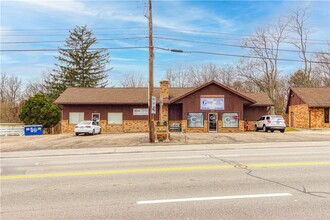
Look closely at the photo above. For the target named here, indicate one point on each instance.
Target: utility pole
(151, 78)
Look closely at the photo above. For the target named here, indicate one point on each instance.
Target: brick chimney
(164, 93)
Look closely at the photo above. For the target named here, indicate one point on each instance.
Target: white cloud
(65, 5)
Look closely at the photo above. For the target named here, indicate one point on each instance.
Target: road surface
(254, 183)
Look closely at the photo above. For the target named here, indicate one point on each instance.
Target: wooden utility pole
(151, 78)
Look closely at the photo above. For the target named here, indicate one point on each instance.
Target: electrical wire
(90, 49)
(229, 34)
(233, 55)
(62, 41)
(232, 45)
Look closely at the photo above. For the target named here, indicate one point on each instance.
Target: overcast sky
(208, 26)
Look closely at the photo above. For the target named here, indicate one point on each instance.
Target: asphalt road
(264, 183)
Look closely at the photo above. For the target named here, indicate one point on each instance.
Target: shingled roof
(112, 95)
(261, 98)
(314, 97)
(136, 96)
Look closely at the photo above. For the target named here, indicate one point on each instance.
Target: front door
(292, 119)
(213, 122)
(96, 117)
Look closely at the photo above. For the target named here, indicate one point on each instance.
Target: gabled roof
(261, 98)
(76, 95)
(216, 83)
(313, 97)
(126, 96)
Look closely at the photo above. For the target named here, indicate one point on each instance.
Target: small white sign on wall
(140, 111)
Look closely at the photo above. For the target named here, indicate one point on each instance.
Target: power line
(232, 55)
(233, 45)
(229, 34)
(68, 29)
(62, 41)
(90, 49)
(164, 38)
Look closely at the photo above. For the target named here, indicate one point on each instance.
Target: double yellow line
(155, 170)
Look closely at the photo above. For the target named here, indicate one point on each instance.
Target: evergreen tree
(79, 66)
(38, 110)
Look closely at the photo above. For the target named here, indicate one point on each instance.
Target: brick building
(211, 107)
(309, 107)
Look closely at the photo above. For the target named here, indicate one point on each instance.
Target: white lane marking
(213, 198)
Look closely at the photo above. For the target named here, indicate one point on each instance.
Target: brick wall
(317, 118)
(185, 129)
(136, 126)
(300, 116)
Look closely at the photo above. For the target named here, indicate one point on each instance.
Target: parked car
(270, 122)
(87, 127)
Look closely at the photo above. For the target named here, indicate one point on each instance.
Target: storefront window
(76, 117)
(115, 118)
(230, 120)
(195, 120)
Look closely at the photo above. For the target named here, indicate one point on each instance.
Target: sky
(217, 26)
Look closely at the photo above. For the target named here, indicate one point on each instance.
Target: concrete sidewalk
(133, 141)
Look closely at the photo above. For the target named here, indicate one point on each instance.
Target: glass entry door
(213, 122)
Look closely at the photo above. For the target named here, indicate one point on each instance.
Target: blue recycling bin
(33, 130)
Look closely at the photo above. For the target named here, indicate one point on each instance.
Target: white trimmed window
(115, 118)
(76, 117)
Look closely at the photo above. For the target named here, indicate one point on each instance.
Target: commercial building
(211, 107)
(309, 107)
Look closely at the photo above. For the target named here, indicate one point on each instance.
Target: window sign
(195, 120)
(230, 120)
(140, 111)
(212, 103)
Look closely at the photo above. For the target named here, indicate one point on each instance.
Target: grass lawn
(290, 129)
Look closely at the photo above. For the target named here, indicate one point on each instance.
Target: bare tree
(178, 77)
(3, 82)
(200, 74)
(11, 96)
(322, 68)
(227, 75)
(265, 44)
(11, 88)
(298, 26)
(38, 86)
(133, 80)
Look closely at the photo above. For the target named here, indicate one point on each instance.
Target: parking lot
(70, 141)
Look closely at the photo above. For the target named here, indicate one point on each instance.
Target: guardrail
(11, 129)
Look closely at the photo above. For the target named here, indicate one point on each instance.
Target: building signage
(153, 105)
(212, 103)
(230, 120)
(140, 111)
(195, 120)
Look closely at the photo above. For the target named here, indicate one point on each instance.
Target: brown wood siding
(252, 113)
(127, 111)
(233, 102)
(295, 100)
(175, 112)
